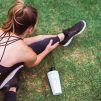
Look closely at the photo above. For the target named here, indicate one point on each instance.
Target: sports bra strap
(7, 42)
(2, 36)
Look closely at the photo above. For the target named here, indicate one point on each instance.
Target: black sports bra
(4, 69)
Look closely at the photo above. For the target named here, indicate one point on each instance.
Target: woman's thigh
(34, 39)
(40, 46)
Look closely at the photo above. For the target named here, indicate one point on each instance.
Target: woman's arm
(42, 55)
(48, 49)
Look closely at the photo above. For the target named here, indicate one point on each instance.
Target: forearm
(40, 57)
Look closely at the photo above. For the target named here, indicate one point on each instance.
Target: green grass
(79, 64)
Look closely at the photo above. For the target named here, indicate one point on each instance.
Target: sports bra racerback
(2, 36)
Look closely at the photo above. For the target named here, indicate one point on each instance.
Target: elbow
(35, 64)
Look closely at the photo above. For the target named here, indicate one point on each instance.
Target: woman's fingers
(51, 47)
(55, 45)
(50, 43)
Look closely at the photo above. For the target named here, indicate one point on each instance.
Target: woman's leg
(34, 39)
(40, 46)
(65, 37)
(10, 95)
(11, 87)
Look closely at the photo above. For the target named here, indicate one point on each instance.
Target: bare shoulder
(28, 55)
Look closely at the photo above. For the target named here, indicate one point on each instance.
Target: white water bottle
(54, 80)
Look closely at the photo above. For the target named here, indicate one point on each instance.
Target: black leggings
(37, 47)
(40, 46)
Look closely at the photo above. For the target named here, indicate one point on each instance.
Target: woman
(17, 51)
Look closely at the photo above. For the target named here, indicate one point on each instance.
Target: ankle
(12, 89)
(61, 36)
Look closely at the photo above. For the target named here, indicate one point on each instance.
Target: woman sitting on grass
(17, 51)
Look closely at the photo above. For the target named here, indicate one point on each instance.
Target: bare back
(14, 52)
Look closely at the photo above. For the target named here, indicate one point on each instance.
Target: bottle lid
(52, 68)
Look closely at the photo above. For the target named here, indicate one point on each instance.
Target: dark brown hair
(20, 17)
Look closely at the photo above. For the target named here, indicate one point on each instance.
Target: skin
(25, 54)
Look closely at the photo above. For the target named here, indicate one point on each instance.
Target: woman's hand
(48, 49)
(51, 47)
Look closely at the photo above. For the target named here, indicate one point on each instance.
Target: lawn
(79, 64)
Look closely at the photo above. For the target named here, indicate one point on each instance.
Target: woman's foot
(73, 31)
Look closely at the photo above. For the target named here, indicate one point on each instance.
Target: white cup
(54, 80)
